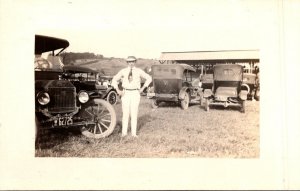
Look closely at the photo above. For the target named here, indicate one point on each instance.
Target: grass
(166, 132)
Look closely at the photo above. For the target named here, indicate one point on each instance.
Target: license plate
(63, 121)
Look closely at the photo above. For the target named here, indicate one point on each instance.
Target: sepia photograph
(191, 104)
(146, 94)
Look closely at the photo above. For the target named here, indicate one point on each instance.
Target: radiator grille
(62, 100)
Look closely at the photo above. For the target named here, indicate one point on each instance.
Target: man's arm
(115, 80)
(148, 80)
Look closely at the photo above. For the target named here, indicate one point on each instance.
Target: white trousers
(130, 107)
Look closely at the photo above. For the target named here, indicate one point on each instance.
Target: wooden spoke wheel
(101, 117)
(112, 97)
(185, 101)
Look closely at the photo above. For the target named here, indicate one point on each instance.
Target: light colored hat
(130, 59)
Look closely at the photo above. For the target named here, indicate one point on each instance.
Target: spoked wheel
(185, 102)
(101, 117)
(154, 104)
(206, 104)
(201, 100)
(243, 107)
(112, 97)
(257, 95)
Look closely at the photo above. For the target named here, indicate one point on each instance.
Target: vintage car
(59, 103)
(90, 80)
(206, 76)
(251, 79)
(174, 83)
(257, 88)
(228, 88)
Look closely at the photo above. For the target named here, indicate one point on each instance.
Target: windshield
(48, 62)
(81, 76)
(208, 69)
(228, 72)
(47, 50)
(167, 71)
(250, 68)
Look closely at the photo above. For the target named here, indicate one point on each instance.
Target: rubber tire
(154, 104)
(37, 132)
(88, 131)
(112, 95)
(243, 107)
(185, 102)
(206, 104)
(256, 96)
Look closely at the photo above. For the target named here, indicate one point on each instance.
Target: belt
(131, 89)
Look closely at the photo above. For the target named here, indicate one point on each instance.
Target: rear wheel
(243, 106)
(112, 97)
(101, 117)
(185, 102)
(201, 99)
(257, 94)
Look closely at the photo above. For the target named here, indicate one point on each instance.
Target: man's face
(131, 63)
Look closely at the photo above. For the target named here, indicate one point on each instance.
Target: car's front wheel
(154, 103)
(185, 101)
(206, 105)
(101, 118)
(36, 130)
(112, 97)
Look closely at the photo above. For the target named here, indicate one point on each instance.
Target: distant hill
(110, 66)
(71, 57)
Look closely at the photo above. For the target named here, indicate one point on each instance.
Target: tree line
(69, 58)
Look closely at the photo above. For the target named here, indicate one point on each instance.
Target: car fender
(182, 92)
(247, 86)
(96, 94)
(109, 89)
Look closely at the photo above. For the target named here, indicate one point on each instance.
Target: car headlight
(83, 96)
(43, 98)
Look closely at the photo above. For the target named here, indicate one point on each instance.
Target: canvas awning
(211, 55)
(47, 43)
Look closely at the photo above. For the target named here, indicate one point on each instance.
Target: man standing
(130, 96)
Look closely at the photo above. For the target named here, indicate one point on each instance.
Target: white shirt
(137, 74)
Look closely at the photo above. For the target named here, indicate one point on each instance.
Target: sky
(147, 28)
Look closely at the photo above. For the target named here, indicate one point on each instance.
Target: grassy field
(166, 132)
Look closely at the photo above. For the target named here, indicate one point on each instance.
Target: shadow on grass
(168, 104)
(143, 120)
(118, 128)
(50, 138)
